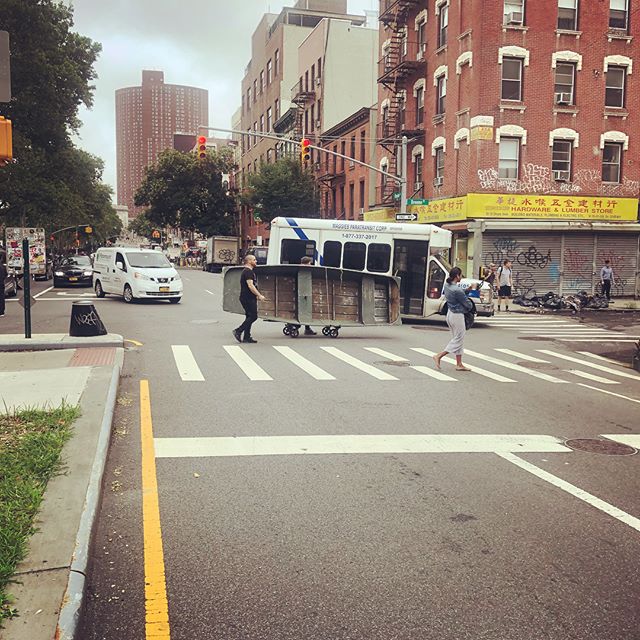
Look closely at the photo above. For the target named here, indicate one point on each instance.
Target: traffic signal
(6, 140)
(88, 230)
(305, 152)
(202, 147)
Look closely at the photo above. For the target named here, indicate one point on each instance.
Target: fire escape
(401, 60)
(301, 96)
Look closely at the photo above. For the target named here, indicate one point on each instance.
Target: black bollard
(85, 321)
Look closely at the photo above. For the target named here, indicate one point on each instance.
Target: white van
(135, 274)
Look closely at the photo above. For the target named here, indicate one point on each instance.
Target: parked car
(74, 270)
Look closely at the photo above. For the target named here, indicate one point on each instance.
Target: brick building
(147, 117)
(523, 120)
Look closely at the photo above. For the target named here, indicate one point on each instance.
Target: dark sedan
(74, 270)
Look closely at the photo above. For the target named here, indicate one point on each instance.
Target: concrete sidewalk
(51, 580)
(50, 341)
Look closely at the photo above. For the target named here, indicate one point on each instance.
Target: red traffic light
(306, 142)
(305, 152)
(202, 140)
(202, 147)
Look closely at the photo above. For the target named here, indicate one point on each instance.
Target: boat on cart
(326, 297)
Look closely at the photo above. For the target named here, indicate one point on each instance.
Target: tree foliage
(51, 183)
(181, 190)
(282, 188)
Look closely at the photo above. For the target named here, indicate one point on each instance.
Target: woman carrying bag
(457, 305)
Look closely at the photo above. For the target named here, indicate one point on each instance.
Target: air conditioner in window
(515, 17)
(417, 186)
(318, 82)
(437, 182)
(318, 123)
(561, 176)
(563, 98)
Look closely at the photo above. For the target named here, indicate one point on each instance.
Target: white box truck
(222, 251)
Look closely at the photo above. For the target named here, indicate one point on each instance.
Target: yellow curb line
(135, 342)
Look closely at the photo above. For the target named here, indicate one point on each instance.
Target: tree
(142, 226)
(282, 189)
(181, 190)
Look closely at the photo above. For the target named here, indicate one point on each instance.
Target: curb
(73, 600)
(67, 342)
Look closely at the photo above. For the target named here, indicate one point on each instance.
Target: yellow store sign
(517, 207)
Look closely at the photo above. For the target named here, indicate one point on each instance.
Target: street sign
(420, 202)
(406, 217)
(397, 195)
(5, 68)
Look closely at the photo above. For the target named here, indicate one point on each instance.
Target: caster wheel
(326, 331)
(286, 330)
(333, 333)
(294, 332)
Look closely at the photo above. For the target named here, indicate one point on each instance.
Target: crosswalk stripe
(630, 439)
(601, 358)
(185, 362)
(522, 356)
(516, 367)
(591, 376)
(386, 354)
(306, 365)
(478, 370)
(578, 336)
(358, 364)
(432, 373)
(250, 367)
(586, 363)
(609, 393)
(573, 330)
(631, 340)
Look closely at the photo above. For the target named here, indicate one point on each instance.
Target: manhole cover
(394, 363)
(204, 321)
(605, 447)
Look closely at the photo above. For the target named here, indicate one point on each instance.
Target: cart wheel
(286, 330)
(326, 331)
(333, 333)
(294, 332)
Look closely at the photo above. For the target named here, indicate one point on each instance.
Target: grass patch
(30, 447)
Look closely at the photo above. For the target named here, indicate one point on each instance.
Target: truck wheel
(99, 290)
(128, 294)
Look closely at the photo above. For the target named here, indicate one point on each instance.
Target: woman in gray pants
(457, 304)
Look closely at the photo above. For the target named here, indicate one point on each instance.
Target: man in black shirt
(3, 277)
(249, 296)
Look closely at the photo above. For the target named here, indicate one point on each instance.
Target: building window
(443, 25)
(561, 160)
(509, 158)
(343, 151)
(420, 105)
(441, 94)
(568, 15)
(249, 99)
(255, 90)
(276, 66)
(269, 72)
(269, 119)
(513, 12)
(417, 161)
(363, 146)
(306, 81)
(335, 160)
(313, 76)
(511, 79)
(352, 198)
(611, 162)
(439, 166)
(319, 68)
(353, 146)
(619, 14)
(261, 81)
(276, 110)
(262, 123)
(615, 80)
(269, 155)
(565, 83)
(422, 38)
(313, 117)
(362, 194)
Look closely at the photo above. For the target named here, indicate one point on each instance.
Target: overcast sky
(204, 43)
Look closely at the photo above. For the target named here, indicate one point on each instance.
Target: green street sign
(397, 195)
(420, 202)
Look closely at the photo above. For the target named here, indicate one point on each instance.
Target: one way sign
(406, 217)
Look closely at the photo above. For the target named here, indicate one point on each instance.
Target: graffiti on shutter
(622, 251)
(577, 263)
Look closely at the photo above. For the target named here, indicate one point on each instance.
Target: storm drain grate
(604, 447)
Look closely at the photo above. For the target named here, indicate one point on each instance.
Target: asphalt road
(269, 531)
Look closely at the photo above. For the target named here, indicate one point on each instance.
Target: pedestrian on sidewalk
(606, 278)
(249, 296)
(3, 277)
(457, 305)
(505, 284)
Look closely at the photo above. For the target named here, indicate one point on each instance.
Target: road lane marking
(427, 371)
(602, 358)
(250, 367)
(630, 439)
(134, 342)
(355, 444)
(187, 366)
(42, 292)
(155, 586)
(211, 292)
(591, 376)
(586, 363)
(482, 372)
(516, 367)
(358, 364)
(522, 356)
(386, 354)
(306, 365)
(590, 499)
(609, 393)
(598, 340)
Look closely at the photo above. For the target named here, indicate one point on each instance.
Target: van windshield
(148, 260)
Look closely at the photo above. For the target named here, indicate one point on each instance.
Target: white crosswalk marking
(306, 365)
(609, 393)
(591, 376)
(601, 358)
(251, 369)
(358, 364)
(187, 366)
(386, 354)
(630, 439)
(483, 372)
(627, 340)
(592, 365)
(515, 367)
(432, 373)
(522, 356)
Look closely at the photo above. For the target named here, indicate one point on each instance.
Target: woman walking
(457, 304)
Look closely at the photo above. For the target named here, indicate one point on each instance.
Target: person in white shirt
(505, 284)
(606, 278)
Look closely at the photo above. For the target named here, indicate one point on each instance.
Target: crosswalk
(555, 328)
(333, 364)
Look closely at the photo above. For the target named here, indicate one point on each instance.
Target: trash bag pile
(554, 301)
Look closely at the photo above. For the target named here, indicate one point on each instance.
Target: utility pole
(403, 175)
